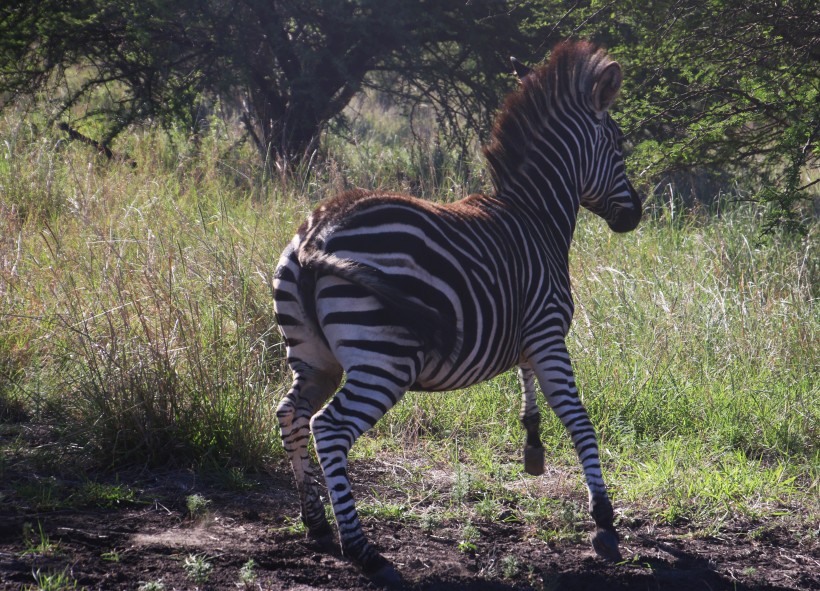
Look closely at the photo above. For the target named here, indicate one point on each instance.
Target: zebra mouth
(627, 214)
(623, 227)
(626, 218)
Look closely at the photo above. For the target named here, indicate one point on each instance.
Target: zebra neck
(546, 201)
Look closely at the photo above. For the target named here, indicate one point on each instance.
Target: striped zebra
(402, 294)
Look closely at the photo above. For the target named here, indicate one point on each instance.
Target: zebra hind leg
(363, 400)
(309, 391)
(531, 419)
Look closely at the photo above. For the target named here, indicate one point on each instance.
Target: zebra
(397, 293)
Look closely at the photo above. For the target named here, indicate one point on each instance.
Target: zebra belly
(458, 377)
(489, 346)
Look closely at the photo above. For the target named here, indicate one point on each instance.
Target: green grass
(247, 576)
(60, 581)
(136, 321)
(696, 354)
(140, 310)
(37, 542)
(198, 568)
(197, 506)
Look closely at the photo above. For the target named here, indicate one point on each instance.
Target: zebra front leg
(309, 391)
(531, 419)
(555, 375)
(362, 401)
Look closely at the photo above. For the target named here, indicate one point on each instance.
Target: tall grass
(135, 313)
(135, 303)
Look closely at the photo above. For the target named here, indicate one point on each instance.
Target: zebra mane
(568, 76)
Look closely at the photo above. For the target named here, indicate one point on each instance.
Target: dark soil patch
(149, 538)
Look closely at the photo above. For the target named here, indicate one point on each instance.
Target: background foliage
(285, 68)
(716, 92)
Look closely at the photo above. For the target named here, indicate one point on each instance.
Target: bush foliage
(725, 88)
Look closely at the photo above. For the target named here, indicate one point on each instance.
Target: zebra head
(558, 123)
(606, 191)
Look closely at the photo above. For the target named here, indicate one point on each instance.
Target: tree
(286, 66)
(735, 86)
(721, 85)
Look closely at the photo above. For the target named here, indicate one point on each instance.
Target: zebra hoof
(605, 544)
(325, 544)
(385, 576)
(534, 460)
(324, 538)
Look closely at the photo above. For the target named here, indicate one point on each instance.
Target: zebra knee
(320, 422)
(326, 429)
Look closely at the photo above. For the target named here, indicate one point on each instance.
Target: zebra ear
(520, 69)
(606, 87)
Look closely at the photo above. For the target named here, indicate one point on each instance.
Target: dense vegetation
(722, 91)
(286, 67)
(136, 321)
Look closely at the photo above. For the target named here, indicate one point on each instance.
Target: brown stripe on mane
(569, 75)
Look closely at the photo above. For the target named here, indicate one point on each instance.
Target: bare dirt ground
(148, 538)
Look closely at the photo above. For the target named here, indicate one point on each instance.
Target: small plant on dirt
(44, 495)
(569, 514)
(111, 556)
(61, 581)
(561, 521)
(637, 561)
(510, 567)
(247, 576)
(197, 568)
(487, 508)
(234, 478)
(430, 522)
(151, 586)
(461, 486)
(292, 526)
(37, 542)
(197, 506)
(469, 537)
(382, 509)
(106, 496)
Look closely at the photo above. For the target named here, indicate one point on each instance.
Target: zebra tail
(427, 324)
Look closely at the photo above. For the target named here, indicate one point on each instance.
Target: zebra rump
(429, 325)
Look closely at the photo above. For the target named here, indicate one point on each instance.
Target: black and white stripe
(398, 294)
